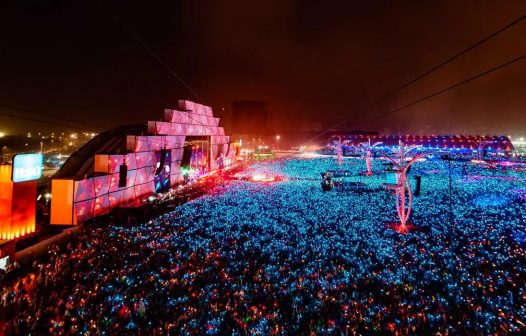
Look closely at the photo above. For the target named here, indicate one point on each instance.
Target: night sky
(315, 62)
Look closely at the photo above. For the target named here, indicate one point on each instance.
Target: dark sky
(320, 61)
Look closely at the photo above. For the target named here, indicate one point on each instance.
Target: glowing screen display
(27, 167)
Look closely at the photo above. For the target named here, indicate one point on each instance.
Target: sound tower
(123, 172)
(418, 180)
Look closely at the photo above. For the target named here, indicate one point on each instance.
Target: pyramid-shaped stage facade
(94, 189)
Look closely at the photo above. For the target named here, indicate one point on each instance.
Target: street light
(277, 141)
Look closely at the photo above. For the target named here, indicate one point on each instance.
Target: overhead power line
(452, 58)
(157, 58)
(150, 94)
(465, 81)
(44, 121)
(15, 108)
(430, 71)
(151, 51)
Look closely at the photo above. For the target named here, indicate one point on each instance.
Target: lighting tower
(368, 151)
(480, 146)
(404, 195)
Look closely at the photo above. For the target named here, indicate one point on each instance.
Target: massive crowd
(286, 258)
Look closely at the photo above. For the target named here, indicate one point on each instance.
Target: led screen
(162, 177)
(27, 167)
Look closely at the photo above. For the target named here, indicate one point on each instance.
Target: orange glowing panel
(24, 209)
(62, 202)
(17, 206)
(6, 200)
(101, 163)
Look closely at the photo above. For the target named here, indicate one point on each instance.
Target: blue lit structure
(462, 144)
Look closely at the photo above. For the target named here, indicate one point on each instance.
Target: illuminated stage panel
(177, 154)
(175, 116)
(102, 185)
(24, 210)
(101, 163)
(150, 173)
(84, 189)
(128, 194)
(84, 210)
(208, 111)
(17, 205)
(130, 161)
(62, 202)
(157, 142)
(114, 163)
(186, 105)
(102, 205)
(114, 182)
(175, 141)
(137, 143)
(152, 160)
(116, 160)
(141, 176)
(6, 192)
(142, 159)
(166, 128)
(115, 198)
(130, 178)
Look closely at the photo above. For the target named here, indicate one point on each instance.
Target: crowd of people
(286, 258)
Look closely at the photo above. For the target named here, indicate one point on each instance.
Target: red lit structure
(446, 142)
(123, 167)
(17, 205)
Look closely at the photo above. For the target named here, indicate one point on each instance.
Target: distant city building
(520, 144)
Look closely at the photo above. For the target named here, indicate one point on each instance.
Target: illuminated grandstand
(462, 144)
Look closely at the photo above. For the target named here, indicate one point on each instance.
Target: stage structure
(404, 196)
(124, 166)
(368, 151)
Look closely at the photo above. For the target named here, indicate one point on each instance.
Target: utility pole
(448, 158)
